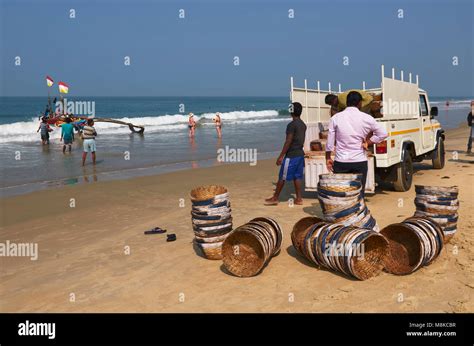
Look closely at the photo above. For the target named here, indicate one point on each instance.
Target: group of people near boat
(88, 134)
(192, 125)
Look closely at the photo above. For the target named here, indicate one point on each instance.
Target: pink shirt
(349, 129)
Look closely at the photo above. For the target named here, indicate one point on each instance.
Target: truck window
(423, 106)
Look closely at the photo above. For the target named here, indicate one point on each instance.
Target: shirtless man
(218, 122)
(191, 125)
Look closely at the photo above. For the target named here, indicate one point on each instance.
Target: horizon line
(52, 96)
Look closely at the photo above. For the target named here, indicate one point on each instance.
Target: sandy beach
(94, 257)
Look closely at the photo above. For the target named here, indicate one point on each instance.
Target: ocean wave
(25, 131)
(453, 104)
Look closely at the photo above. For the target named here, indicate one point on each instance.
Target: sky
(195, 55)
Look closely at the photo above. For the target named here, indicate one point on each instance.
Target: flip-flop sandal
(156, 230)
(271, 203)
(171, 237)
(298, 203)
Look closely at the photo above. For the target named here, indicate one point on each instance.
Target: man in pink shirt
(352, 132)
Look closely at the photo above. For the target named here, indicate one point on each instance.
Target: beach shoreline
(92, 248)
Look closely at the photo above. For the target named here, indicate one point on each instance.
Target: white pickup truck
(414, 134)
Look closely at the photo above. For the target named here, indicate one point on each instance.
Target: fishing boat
(79, 121)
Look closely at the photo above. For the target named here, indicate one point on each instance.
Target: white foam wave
(453, 104)
(25, 131)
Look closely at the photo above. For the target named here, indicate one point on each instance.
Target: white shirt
(348, 129)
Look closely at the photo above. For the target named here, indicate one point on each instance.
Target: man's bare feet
(271, 201)
(299, 201)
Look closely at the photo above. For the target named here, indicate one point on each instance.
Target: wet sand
(94, 257)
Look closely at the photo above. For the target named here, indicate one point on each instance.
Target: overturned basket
(211, 219)
(413, 243)
(355, 252)
(249, 248)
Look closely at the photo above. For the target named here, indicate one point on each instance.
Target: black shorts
(352, 167)
(45, 137)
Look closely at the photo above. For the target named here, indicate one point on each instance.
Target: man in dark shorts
(45, 130)
(291, 158)
(67, 134)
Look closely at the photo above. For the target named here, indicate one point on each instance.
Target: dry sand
(82, 249)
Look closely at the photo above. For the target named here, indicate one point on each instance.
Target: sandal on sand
(298, 202)
(156, 230)
(171, 237)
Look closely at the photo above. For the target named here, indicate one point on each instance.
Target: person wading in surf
(291, 158)
(351, 133)
(89, 134)
(218, 122)
(191, 125)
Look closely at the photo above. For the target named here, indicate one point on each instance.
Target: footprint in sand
(408, 304)
(458, 306)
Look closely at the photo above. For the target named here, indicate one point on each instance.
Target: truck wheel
(404, 173)
(439, 155)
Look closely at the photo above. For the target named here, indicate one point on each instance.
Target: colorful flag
(63, 88)
(49, 81)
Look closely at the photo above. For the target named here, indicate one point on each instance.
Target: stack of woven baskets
(342, 201)
(353, 251)
(211, 219)
(414, 243)
(250, 247)
(440, 204)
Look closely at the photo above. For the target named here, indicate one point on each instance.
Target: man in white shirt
(351, 132)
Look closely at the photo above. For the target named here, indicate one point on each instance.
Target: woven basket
(405, 249)
(299, 231)
(203, 193)
(452, 191)
(375, 254)
(275, 229)
(340, 176)
(243, 253)
(250, 247)
(212, 251)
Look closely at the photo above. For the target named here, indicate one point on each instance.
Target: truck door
(426, 130)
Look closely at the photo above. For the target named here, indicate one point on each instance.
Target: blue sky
(194, 56)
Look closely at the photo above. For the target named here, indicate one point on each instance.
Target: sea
(253, 123)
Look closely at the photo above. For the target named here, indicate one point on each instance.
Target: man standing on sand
(351, 133)
(471, 133)
(89, 134)
(291, 158)
(67, 134)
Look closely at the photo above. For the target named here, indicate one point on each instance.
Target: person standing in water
(191, 125)
(218, 122)
(67, 134)
(88, 134)
(45, 130)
